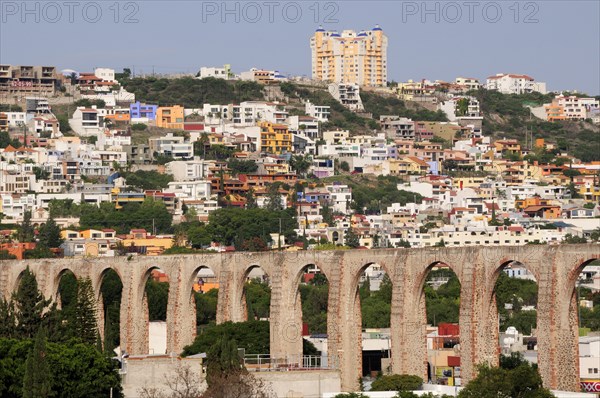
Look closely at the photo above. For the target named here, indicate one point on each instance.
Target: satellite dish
(69, 72)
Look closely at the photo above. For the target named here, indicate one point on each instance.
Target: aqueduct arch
(555, 268)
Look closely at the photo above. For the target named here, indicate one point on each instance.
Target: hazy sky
(553, 41)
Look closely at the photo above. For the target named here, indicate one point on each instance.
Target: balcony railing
(266, 363)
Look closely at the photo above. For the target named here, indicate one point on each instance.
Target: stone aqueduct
(555, 268)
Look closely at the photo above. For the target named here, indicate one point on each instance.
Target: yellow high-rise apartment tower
(349, 57)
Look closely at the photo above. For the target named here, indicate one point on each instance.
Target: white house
(217, 73)
(470, 83)
(106, 74)
(515, 84)
(193, 190)
(173, 146)
(14, 206)
(87, 122)
(189, 170)
(16, 119)
(321, 112)
(305, 125)
(113, 139)
(340, 197)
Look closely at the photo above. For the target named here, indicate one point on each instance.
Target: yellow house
(590, 192)
(469, 182)
(276, 168)
(170, 117)
(98, 234)
(406, 166)
(511, 146)
(409, 90)
(154, 245)
(275, 138)
(520, 171)
(67, 234)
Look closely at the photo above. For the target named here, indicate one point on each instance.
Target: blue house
(138, 110)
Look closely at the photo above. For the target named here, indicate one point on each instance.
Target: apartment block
(350, 57)
(22, 80)
(275, 138)
(348, 94)
(571, 107)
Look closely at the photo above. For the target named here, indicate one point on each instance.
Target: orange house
(536, 207)
(170, 117)
(17, 249)
(532, 201)
(119, 117)
(205, 286)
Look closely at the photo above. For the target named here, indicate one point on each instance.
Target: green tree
(250, 199)
(238, 166)
(351, 239)
(206, 307)
(344, 166)
(252, 336)
(85, 326)
(327, 214)
(5, 255)
(403, 243)
(7, 318)
(148, 180)
(41, 174)
(157, 294)
(5, 140)
(222, 359)
(111, 289)
(29, 306)
(521, 382)
(274, 201)
(49, 234)
(300, 164)
(258, 299)
(462, 107)
(67, 291)
(25, 231)
(314, 297)
(227, 377)
(397, 383)
(512, 361)
(37, 378)
(574, 239)
(191, 214)
(443, 304)
(40, 251)
(149, 215)
(63, 208)
(376, 305)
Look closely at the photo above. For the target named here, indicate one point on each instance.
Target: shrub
(397, 383)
